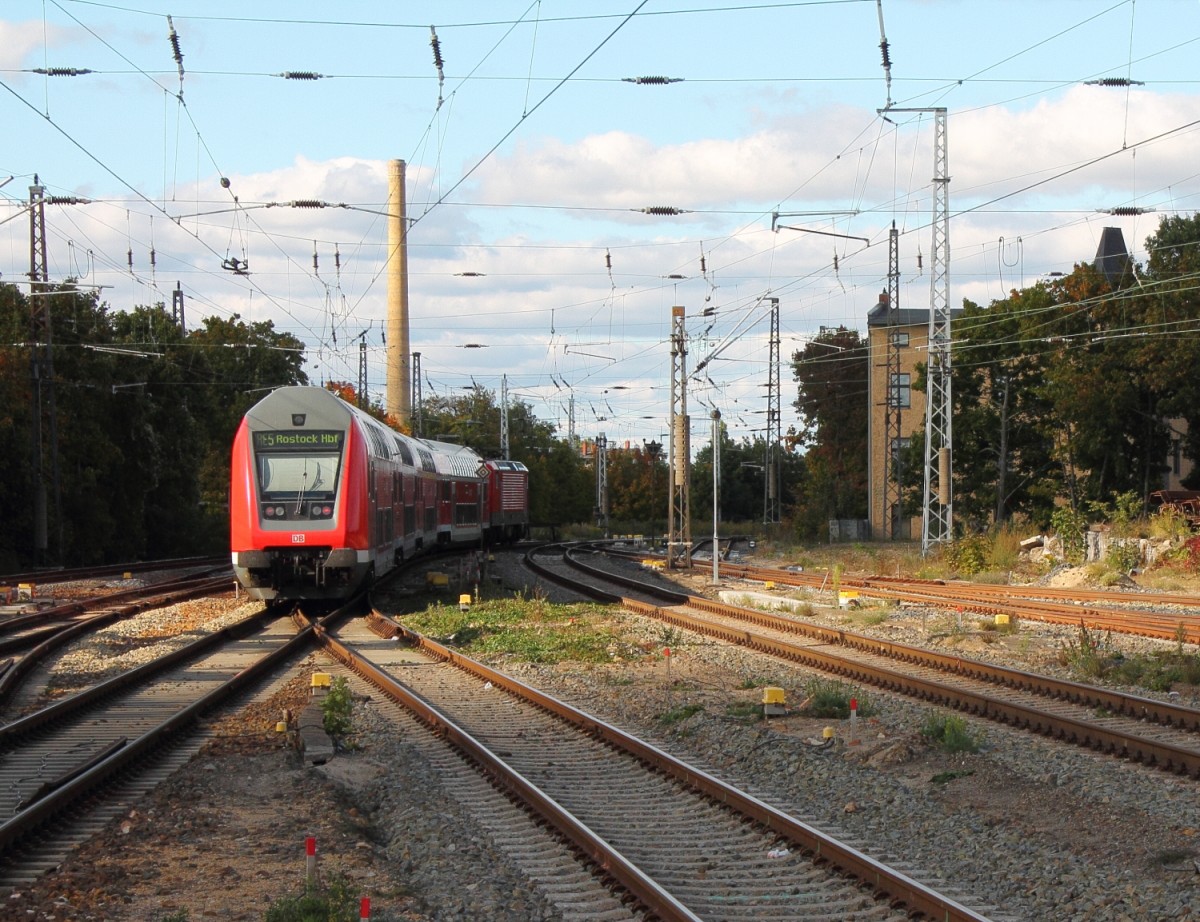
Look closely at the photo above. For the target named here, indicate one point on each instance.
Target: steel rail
(125, 759)
(1027, 603)
(48, 642)
(64, 575)
(897, 886)
(1152, 752)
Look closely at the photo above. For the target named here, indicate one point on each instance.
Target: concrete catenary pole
(399, 393)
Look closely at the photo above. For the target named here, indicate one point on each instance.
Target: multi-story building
(896, 413)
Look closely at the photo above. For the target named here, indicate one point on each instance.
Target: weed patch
(679, 714)
(337, 902)
(951, 733)
(530, 630)
(831, 699)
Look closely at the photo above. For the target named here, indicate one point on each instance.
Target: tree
(831, 372)
(561, 487)
(1001, 412)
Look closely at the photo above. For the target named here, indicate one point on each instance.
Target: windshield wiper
(300, 494)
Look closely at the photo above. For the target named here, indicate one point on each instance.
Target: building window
(901, 390)
(899, 339)
(899, 446)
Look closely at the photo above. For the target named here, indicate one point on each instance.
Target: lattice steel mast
(892, 465)
(938, 514)
(679, 528)
(771, 499)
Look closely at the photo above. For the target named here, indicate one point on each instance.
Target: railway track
(41, 633)
(1157, 733)
(678, 842)
(69, 768)
(1124, 612)
(50, 575)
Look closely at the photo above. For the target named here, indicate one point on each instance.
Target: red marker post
(310, 852)
(364, 908)
(853, 721)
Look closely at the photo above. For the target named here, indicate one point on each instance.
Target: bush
(335, 903)
(336, 708)
(1087, 656)
(1071, 527)
(968, 555)
(951, 733)
(831, 698)
(1123, 556)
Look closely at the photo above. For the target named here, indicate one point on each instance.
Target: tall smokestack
(399, 383)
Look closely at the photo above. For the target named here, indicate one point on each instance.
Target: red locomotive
(324, 497)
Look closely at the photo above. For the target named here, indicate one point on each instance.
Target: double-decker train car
(324, 497)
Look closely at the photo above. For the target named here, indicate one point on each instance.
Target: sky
(775, 136)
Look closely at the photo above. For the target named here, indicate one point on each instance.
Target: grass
(1091, 656)
(679, 714)
(336, 902)
(531, 630)
(950, 733)
(868, 617)
(831, 699)
(336, 708)
(744, 710)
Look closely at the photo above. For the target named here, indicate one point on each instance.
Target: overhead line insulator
(652, 81)
(1127, 211)
(662, 210)
(307, 203)
(300, 75)
(61, 71)
(1114, 81)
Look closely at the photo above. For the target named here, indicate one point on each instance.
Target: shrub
(968, 555)
(1086, 656)
(1123, 556)
(334, 903)
(951, 733)
(831, 698)
(1070, 525)
(336, 708)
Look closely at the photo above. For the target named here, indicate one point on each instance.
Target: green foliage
(336, 902)
(336, 708)
(1071, 526)
(181, 916)
(1169, 523)
(679, 714)
(1086, 656)
(744, 710)
(950, 732)
(533, 631)
(830, 372)
(145, 423)
(1124, 513)
(831, 698)
(968, 556)
(1123, 556)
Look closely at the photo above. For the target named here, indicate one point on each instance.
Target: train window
(299, 475)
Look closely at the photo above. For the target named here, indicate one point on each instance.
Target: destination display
(309, 440)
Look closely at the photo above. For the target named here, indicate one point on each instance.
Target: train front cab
(299, 518)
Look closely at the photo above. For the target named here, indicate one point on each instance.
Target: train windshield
(298, 475)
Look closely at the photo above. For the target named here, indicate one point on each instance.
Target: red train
(324, 497)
